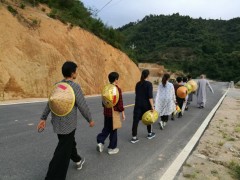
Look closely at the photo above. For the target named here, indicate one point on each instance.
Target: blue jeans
(106, 131)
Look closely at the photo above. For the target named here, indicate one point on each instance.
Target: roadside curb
(176, 165)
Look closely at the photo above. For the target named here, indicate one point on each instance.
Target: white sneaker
(161, 125)
(80, 163)
(164, 124)
(100, 147)
(113, 151)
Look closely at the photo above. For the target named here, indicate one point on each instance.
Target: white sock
(135, 137)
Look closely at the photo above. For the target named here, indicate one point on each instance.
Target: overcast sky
(120, 12)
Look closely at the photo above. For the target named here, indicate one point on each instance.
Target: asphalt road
(25, 153)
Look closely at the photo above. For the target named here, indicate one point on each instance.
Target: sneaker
(100, 147)
(160, 125)
(152, 135)
(134, 140)
(113, 151)
(172, 118)
(164, 124)
(80, 163)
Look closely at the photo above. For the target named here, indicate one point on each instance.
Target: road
(25, 153)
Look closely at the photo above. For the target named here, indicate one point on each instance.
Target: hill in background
(195, 46)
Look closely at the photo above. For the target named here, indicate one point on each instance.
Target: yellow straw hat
(61, 99)
(110, 95)
(189, 88)
(193, 84)
(150, 117)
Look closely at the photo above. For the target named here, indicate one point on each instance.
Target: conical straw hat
(61, 99)
(189, 88)
(182, 92)
(193, 84)
(110, 95)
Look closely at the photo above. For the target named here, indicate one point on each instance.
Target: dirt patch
(218, 153)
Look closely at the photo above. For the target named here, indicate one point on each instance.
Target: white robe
(165, 99)
(201, 92)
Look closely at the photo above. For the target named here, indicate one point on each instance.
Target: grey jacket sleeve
(82, 104)
(45, 112)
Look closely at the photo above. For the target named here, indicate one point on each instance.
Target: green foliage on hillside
(195, 46)
(74, 12)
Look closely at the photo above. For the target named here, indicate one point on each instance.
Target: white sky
(120, 12)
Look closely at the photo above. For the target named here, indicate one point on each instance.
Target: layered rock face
(33, 48)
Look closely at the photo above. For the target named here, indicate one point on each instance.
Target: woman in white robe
(165, 102)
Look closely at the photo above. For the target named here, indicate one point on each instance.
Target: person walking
(65, 127)
(108, 120)
(165, 102)
(179, 100)
(202, 90)
(143, 103)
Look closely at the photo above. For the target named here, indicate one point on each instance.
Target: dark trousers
(164, 118)
(108, 129)
(65, 150)
(137, 116)
(180, 102)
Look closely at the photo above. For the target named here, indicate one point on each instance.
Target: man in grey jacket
(65, 126)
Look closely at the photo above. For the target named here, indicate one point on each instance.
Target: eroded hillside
(33, 48)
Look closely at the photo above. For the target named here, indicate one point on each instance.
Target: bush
(235, 169)
(22, 6)
(12, 10)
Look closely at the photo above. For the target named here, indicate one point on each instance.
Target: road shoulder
(217, 154)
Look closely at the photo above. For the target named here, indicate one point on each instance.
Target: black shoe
(152, 135)
(134, 140)
(179, 115)
(172, 118)
(186, 108)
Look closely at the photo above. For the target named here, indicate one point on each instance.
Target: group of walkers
(65, 126)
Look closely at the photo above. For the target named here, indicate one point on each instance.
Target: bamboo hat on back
(193, 84)
(61, 99)
(110, 95)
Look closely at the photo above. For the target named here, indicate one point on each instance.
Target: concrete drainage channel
(182, 157)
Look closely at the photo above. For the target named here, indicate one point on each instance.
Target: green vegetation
(214, 172)
(220, 143)
(12, 10)
(195, 46)
(74, 12)
(235, 169)
(190, 176)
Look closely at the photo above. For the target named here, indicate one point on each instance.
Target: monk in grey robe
(202, 90)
